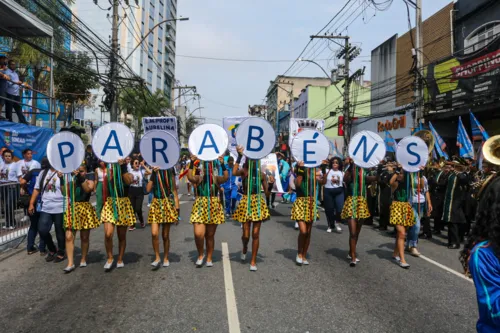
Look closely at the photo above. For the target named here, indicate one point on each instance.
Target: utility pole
(114, 63)
(419, 52)
(180, 95)
(349, 53)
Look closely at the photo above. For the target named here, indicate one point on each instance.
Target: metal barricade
(14, 219)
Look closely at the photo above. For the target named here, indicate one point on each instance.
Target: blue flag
(440, 145)
(463, 141)
(478, 131)
(390, 143)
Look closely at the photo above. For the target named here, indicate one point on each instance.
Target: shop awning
(15, 20)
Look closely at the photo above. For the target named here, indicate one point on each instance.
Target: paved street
(326, 296)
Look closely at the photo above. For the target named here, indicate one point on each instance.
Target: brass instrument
(491, 153)
(428, 138)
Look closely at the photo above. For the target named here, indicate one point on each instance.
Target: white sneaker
(305, 262)
(149, 205)
(166, 263)
(83, 264)
(120, 265)
(209, 264)
(338, 228)
(253, 268)
(108, 265)
(329, 230)
(350, 258)
(296, 226)
(243, 256)
(199, 262)
(155, 264)
(299, 261)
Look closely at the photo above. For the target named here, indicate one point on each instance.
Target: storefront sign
(391, 124)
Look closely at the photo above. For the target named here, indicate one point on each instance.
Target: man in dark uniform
(385, 172)
(438, 181)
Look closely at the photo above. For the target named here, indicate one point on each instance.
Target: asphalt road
(326, 296)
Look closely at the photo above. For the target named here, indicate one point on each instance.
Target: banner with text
(168, 124)
(18, 137)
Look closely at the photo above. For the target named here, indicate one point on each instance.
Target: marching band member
(117, 212)
(163, 210)
(305, 208)
(355, 209)
(207, 212)
(79, 215)
(385, 172)
(438, 180)
(402, 214)
(252, 210)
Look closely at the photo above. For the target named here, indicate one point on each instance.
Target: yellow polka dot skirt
(199, 212)
(162, 211)
(85, 217)
(402, 214)
(126, 217)
(303, 210)
(355, 208)
(241, 214)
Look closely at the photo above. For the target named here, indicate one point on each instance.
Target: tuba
(491, 153)
(429, 140)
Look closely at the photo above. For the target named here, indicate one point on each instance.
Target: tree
(84, 137)
(139, 102)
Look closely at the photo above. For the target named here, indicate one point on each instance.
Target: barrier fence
(14, 220)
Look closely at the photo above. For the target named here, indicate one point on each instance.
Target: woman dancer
(402, 213)
(305, 209)
(79, 215)
(117, 212)
(136, 191)
(334, 194)
(355, 207)
(207, 212)
(101, 192)
(164, 210)
(481, 258)
(252, 208)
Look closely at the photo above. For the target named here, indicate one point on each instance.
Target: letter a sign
(113, 142)
(367, 149)
(208, 142)
(257, 137)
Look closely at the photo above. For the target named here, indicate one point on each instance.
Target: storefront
(399, 124)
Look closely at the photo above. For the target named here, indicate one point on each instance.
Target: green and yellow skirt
(125, 212)
(355, 208)
(200, 212)
(402, 214)
(303, 210)
(85, 217)
(241, 215)
(162, 211)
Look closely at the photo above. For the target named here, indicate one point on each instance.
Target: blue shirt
(284, 169)
(484, 267)
(231, 181)
(12, 88)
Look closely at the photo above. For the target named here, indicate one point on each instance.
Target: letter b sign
(257, 137)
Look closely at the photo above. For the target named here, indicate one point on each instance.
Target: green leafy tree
(85, 137)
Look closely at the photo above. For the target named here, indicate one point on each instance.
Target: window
(481, 37)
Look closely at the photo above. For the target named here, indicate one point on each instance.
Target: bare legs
(121, 231)
(399, 249)
(155, 230)
(85, 239)
(70, 246)
(245, 238)
(204, 233)
(354, 230)
(304, 239)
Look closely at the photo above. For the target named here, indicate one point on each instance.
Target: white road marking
(449, 270)
(232, 311)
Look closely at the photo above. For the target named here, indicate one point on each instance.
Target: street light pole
(114, 65)
(152, 29)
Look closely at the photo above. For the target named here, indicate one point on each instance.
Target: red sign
(477, 66)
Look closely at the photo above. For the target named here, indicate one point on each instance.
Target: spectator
(13, 96)
(91, 161)
(284, 170)
(28, 181)
(10, 194)
(50, 206)
(3, 81)
(23, 167)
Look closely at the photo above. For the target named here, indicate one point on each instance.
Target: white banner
(168, 124)
(230, 125)
(300, 124)
(269, 166)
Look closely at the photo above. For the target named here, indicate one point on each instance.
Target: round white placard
(412, 153)
(112, 142)
(208, 142)
(311, 147)
(160, 149)
(367, 149)
(257, 137)
(65, 152)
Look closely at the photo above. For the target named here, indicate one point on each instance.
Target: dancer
(101, 192)
(117, 212)
(355, 209)
(480, 257)
(207, 212)
(334, 194)
(402, 213)
(79, 215)
(164, 210)
(252, 208)
(305, 208)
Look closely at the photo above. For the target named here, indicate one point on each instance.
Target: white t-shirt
(331, 175)
(100, 175)
(52, 198)
(8, 172)
(24, 167)
(137, 178)
(420, 198)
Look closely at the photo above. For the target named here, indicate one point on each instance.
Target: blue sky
(272, 30)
